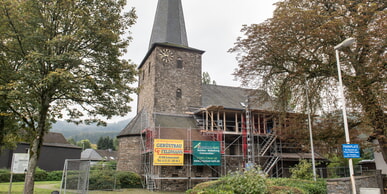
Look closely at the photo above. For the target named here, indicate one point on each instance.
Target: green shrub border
(253, 182)
(100, 179)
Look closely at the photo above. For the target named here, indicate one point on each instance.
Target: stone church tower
(169, 81)
(170, 74)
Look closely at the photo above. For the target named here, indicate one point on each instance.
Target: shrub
(110, 179)
(102, 180)
(72, 180)
(18, 178)
(302, 170)
(54, 175)
(249, 181)
(211, 187)
(274, 189)
(128, 180)
(253, 182)
(307, 186)
(5, 175)
(40, 175)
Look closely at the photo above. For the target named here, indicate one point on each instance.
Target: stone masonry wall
(146, 84)
(160, 80)
(170, 78)
(129, 156)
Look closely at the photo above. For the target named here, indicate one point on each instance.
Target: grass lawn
(46, 187)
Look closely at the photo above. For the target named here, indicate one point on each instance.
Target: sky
(212, 26)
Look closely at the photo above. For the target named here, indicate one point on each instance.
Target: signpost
(206, 153)
(19, 166)
(351, 150)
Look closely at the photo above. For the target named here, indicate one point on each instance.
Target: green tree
(296, 47)
(206, 79)
(63, 58)
(84, 144)
(8, 125)
(115, 143)
(72, 141)
(105, 143)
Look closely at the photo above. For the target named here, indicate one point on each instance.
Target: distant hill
(90, 132)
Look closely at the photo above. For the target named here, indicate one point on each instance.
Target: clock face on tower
(166, 55)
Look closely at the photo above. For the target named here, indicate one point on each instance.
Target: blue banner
(351, 150)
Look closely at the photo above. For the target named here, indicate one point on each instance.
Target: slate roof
(98, 155)
(231, 97)
(174, 121)
(57, 139)
(138, 123)
(90, 154)
(169, 25)
(135, 126)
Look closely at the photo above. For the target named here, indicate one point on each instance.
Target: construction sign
(168, 152)
(206, 153)
(351, 150)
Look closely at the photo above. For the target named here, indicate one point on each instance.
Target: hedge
(99, 179)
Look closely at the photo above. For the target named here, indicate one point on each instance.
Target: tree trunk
(35, 149)
(33, 161)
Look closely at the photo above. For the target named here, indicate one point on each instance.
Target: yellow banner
(168, 152)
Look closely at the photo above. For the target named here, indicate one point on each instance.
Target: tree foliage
(105, 143)
(295, 49)
(302, 170)
(72, 141)
(84, 144)
(206, 79)
(62, 57)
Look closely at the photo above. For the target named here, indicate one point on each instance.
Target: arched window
(178, 93)
(179, 63)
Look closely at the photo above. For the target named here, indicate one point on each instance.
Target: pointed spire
(168, 26)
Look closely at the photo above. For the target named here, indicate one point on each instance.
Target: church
(186, 132)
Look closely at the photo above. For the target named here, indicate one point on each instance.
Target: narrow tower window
(179, 63)
(178, 93)
(143, 74)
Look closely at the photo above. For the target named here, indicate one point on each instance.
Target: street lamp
(347, 42)
(310, 130)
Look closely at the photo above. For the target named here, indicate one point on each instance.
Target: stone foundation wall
(176, 178)
(343, 185)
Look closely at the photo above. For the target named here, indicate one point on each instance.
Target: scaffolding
(247, 138)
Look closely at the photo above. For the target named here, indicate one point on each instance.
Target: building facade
(173, 104)
(53, 154)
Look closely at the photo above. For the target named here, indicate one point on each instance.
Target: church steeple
(169, 26)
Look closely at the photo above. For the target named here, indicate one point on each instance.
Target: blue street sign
(351, 150)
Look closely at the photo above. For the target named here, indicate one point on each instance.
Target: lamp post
(347, 42)
(310, 130)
